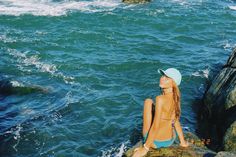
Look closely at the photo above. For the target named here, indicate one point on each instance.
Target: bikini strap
(173, 120)
(173, 123)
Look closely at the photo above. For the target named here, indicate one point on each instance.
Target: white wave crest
(50, 8)
(232, 7)
(115, 151)
(16, 84)
(6, 39)
(32, 60)
(228, 45)
(202, 73)
(17, 135)
(181, 2)
(27, 61)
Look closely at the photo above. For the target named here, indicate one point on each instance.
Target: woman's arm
(180, 132)
(155, 124)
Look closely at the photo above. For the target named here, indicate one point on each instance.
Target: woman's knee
(148, 101)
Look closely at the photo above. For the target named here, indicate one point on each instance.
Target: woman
(163, 129)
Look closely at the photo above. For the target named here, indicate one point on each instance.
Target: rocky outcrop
(11, 88)
(218, 111)
(136, 1)
(225, 154)
(196, 149)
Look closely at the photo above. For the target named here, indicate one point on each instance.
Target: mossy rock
(225, 154)
(196, 149)
(230, 138)
(176, 151)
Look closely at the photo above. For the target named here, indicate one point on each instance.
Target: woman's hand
(184, 144)
(139, 152)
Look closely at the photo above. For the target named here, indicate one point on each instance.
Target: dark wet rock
(225, 154)
(197, 148)
(8, 88)
(136, 1)
(218, 110)
(232, 60)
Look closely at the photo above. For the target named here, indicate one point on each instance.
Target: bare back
(165, 131)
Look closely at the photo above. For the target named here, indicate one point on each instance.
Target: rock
(218, 110)
(136, 1)
(196, 149)
(222, 93)
(230, 138)
(225, 154)
(232, 60)
(10, 87)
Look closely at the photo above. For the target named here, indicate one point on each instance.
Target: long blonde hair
(176, 97)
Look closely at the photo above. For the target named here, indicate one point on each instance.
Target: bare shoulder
(160, 99)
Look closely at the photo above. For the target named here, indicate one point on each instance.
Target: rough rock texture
(230, 138)
(136, 1)
(7, 88)
(225, 154)
(196, 149)
(218, 111)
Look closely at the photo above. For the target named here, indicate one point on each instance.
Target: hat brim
(162, 72)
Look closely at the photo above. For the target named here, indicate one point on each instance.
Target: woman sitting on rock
(163, 129)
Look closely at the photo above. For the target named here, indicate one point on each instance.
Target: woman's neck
(166, 91)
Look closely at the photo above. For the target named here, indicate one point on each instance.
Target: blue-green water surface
(96, 62)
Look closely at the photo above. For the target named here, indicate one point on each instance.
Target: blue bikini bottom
(162, 143)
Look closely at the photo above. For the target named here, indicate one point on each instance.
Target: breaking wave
(53, 8)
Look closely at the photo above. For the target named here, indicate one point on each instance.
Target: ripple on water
(25, 62)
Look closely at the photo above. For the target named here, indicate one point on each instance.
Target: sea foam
(50, 8)
(26, 61)
(116, 151)
(232, 7)
(202, 73)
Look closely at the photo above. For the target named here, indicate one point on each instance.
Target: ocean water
(93, 63)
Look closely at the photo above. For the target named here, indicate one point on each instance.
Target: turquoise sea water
(96, 61)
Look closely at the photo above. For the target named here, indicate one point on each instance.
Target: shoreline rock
(217, 114)
(225, 154)
(197, 148)
(8, 88)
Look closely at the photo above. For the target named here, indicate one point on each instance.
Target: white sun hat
(172, 73)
